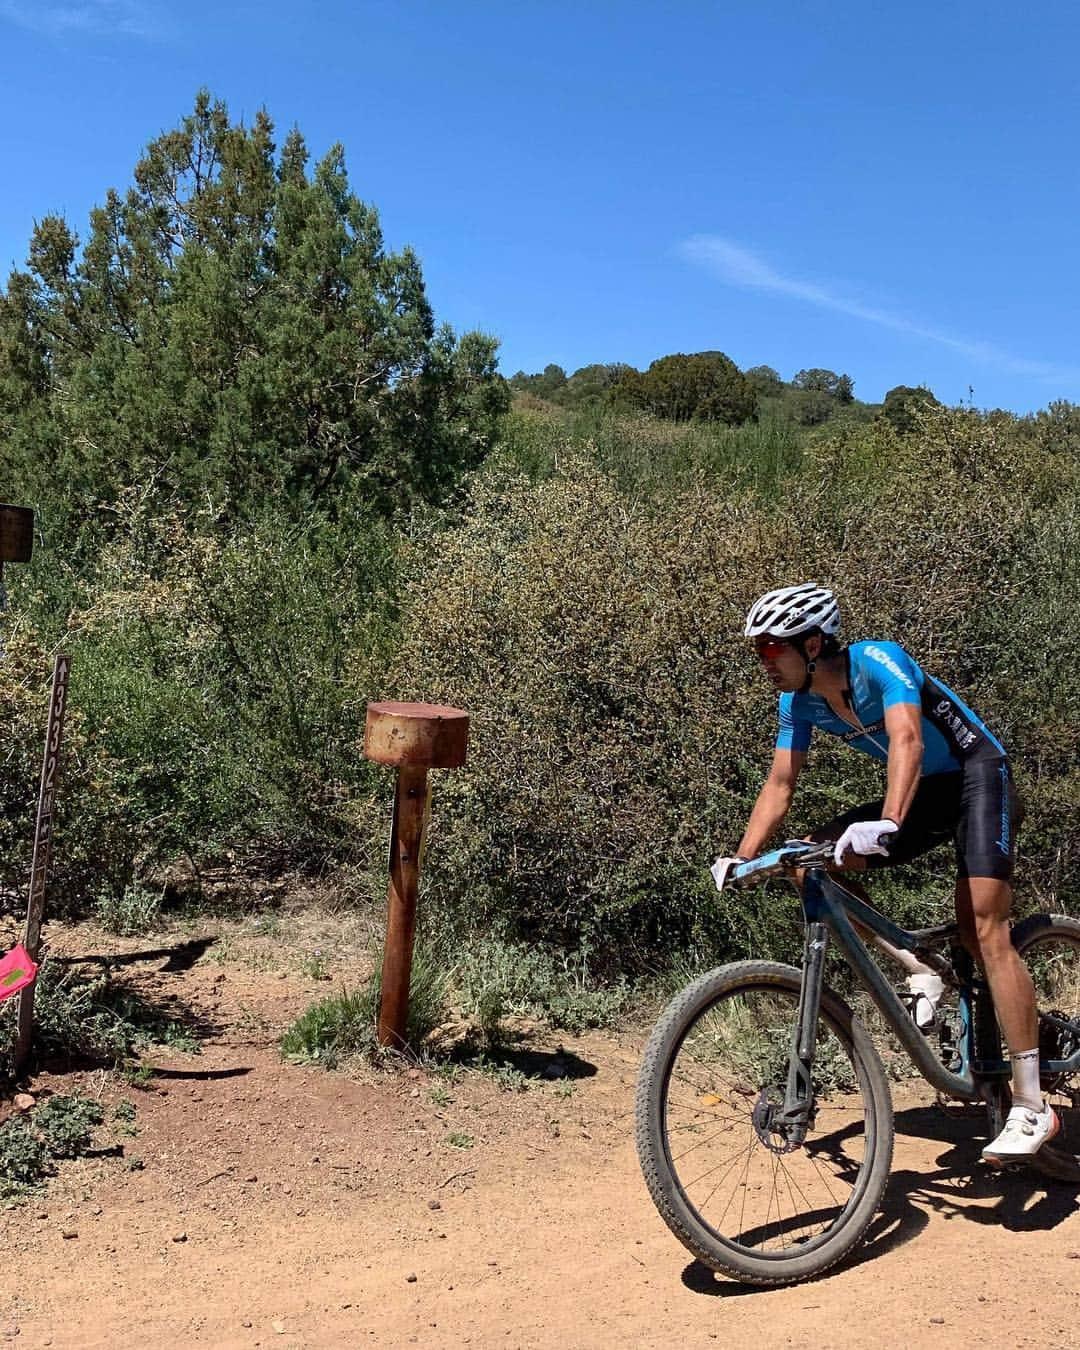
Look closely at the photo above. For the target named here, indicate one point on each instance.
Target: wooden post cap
(423, 735)
(16, 533)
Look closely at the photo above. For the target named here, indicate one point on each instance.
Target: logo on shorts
(1005, 842)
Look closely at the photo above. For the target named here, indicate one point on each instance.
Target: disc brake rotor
(769, 1135)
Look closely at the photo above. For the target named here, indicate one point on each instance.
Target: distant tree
(902, 405)
(591, 384)
(810, 407)
(765, 381)
(547, 384)
(840, 387)
(234, 326)
(551, 381)
(707, 385)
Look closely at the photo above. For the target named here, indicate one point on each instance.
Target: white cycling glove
(862, 838)
(721, 869)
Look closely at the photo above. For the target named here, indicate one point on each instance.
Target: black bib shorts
(977, 807)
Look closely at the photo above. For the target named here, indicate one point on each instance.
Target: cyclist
(947, 776)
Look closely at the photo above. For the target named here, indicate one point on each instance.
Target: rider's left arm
(903, 722)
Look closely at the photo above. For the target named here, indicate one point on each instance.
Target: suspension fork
(794, 1119)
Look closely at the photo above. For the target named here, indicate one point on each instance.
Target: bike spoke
(738, 1052)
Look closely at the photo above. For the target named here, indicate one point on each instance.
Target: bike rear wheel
(730, 1186)
(1050, 946)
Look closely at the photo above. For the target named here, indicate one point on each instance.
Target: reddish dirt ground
(285, 1206)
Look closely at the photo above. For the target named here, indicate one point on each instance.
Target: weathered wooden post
(414, 737)
(43, 833)
(17, 545)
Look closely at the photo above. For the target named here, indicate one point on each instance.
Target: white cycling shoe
(1024, 1134)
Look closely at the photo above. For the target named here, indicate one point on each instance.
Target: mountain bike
(763, 1110)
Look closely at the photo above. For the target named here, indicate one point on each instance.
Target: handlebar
(795, 853)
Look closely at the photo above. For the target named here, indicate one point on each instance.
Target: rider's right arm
(774, 801)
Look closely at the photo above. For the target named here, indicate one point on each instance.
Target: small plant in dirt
(344, 1024)
(24, 1159)
(508, 1078)
(62, 1127)
(459, 1139)
(314, 966)
(66, 1125)
(440, 1096)
(132, 912)
(124, 1117)
(138, 1076)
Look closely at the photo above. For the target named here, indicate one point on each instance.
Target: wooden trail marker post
(413, 737)
(17, 545)
(43, 833)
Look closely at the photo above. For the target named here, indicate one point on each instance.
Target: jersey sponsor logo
(884, 659)
(962, 734)
(856, 732)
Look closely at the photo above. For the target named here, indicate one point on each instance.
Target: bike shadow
(961, 1187)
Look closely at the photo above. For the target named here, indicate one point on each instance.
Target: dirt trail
(283, 1206)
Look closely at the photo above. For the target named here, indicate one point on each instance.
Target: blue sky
(885, 190)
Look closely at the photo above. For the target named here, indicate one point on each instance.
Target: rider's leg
(982, 911)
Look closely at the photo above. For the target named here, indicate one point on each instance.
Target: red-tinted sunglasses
(770, 648)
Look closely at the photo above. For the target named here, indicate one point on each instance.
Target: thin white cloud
(91, 18)
(737, 266)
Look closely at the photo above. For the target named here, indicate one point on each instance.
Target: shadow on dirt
(962, 1188)
(548, 1065)
(179, 958)
(199, 1075)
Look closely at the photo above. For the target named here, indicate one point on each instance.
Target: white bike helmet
(792, 610)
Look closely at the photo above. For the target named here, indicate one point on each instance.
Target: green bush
(213, 667)
(90, 1016)
(620, 727)
(91, 846)
(66, 1125)
(132, 913)
(24, 1159)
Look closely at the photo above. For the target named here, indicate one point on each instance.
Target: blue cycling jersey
(880, 675)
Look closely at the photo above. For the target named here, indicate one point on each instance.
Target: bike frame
(828, 910)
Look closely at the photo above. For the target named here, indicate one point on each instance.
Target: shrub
(135, 911)
(90, 1016)
(66, 1124)
(213, 666)
(91, 833)
(621, 730)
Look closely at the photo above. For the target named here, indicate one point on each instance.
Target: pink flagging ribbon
(16, 971)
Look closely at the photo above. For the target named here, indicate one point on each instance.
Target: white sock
(1025, 1080)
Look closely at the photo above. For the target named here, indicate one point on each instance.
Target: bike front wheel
(728, 1182)
(1050, 947)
